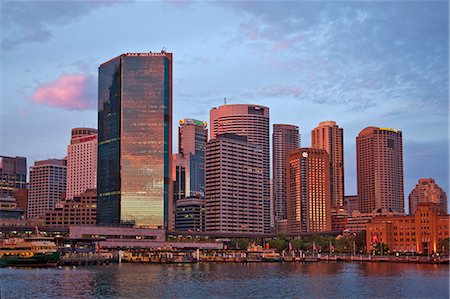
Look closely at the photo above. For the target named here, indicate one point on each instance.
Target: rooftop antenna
(163, 50)
(224, 101)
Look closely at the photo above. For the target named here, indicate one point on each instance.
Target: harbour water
(229, 280)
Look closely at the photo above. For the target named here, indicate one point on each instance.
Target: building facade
(13, 174)
(423, 233)
(426, 190)
(357, 221)
(8, 208)
(78, 210)
(285, 138)
(351, 203)
(379, 167)
(47, 186)
(234, 185)
(190, 214)
(251, 121)
(328, 136)
(189, 164)
(135, 140)
(81, 161)
(308, 191)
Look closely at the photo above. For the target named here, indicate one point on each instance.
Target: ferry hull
(48, 259)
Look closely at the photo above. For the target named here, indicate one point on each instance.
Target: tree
(279, 243)
(380, 249)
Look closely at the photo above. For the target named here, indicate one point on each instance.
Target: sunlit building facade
(426, 190)
(81, 161)
(426, 232)
(308, 191)
(135, 140)
(328, 136)
(251, 121)
(285, 138)
(379, 167)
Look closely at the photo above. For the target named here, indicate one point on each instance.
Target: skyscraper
(234, 185)
(379, 167)
(135, 140)
(189, 163)
(426, 190)
(47, 185)
(285, 138)
(81, 161)
(251, 121)
(328, 136)
(308, 191)
(13, 174)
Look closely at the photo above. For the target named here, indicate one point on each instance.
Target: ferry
(28, 252)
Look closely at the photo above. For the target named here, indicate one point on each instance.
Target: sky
(359, 63)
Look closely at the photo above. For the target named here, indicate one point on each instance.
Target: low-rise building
(80, 210)
(422, 233)
(339, 218)
(8, 208)
(190, 214)
(357, 221)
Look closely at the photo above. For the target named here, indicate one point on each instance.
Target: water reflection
(284, 280)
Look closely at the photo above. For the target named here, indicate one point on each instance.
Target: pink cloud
(69, 91)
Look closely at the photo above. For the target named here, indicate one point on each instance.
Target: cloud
(32, 21)
(357, 55)
(69, 91)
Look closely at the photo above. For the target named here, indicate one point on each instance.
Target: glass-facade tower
(134, 140)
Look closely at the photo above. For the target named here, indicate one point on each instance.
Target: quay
(85, 259)
(243, 256)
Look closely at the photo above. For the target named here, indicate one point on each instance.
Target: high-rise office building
(13, 174)
(189, 163)
(285, 138)
(251, 121)
(47, 186)
(426, 190)
(234, 185)
(135, 140)
(328, 136)
(308, 191)
(379, 167)
(81, 161)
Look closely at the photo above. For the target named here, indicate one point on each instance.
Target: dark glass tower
(134, 140)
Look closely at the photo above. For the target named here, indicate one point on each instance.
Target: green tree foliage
(380, 249)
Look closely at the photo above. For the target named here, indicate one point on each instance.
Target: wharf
(84, 259)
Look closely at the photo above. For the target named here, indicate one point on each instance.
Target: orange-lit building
(339, 218)
(308, 191)
(328, 136)
(285, 138)
(421, 233)
(426, 190)
(379, 168)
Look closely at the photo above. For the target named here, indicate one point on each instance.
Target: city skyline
(412, 57)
